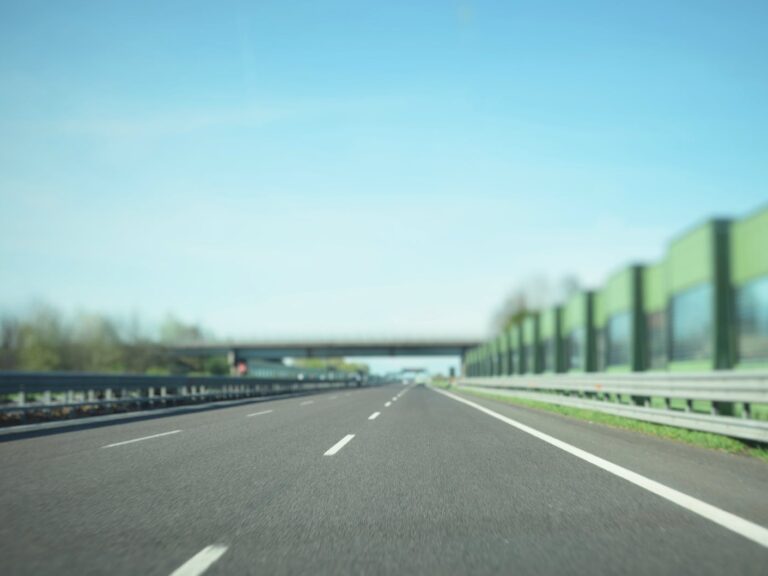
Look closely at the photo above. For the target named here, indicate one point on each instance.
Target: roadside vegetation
(703, 439)
(42, 339)
(336, 364)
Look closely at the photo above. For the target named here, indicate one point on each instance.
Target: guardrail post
(70, 400)
(21, 402)
(746, 410)
(163, 394)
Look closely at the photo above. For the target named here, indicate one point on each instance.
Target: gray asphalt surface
(431, 486)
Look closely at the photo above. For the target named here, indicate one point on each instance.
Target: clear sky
(363, 168)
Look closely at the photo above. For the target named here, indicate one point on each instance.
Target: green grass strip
(694, 437)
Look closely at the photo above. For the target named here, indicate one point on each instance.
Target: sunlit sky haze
(363, 169)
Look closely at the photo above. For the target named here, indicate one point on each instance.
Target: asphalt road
(319, 485)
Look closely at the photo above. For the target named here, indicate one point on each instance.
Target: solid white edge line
(201, 561)
(339, 445)
(374, 416)
(388, 404)
(140, 439)
(259, 413)
(746, 528)
(307, 402)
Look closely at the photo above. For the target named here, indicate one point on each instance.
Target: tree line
(42, 338)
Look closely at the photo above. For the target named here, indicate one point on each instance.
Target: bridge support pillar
(233, 360)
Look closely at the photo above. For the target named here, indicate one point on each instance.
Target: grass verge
(694, 437)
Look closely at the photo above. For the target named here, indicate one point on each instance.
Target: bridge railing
(54, 393)
(729, 403)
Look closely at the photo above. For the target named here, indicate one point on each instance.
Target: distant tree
(337, 364)
(43, 340)
(536, 293)
(10, 342)
(512, 311)
(216, 365)
(567, 286)
(174, 331)
(96, 345)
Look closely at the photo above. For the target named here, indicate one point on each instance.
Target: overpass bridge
(322, 348)
(278, 349)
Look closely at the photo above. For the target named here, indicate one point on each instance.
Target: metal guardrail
(25, 392)
(631, 395)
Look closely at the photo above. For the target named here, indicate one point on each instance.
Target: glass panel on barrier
(752, 320)
(691, 324)
(656, 325)
(528, 359)
(600, 348)
(575, 348)
(618, 338)
(549, 355)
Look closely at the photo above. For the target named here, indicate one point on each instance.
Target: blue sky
(363, 168)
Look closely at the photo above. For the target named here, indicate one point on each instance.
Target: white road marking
(388, 404)
(140, 439)
(259, 413)
(394, 399)
(374, 416)
(737, 524)
(333, 398)
(339, 445)
(307, 402)
(201, 561)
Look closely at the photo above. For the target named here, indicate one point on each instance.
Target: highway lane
(733, 482)
(66, 442)
(427, 486)
(145, 506)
